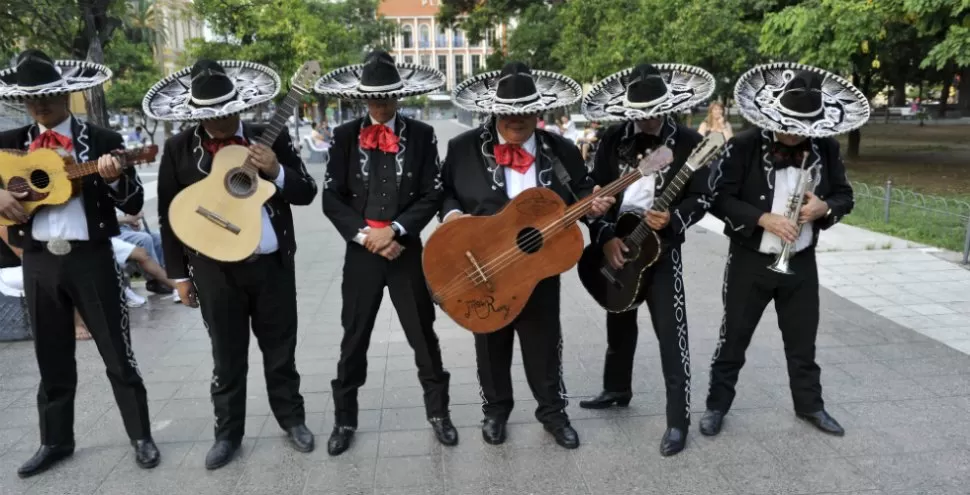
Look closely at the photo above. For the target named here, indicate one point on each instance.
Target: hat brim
(757, 94)
(477, 94)
(344, 83)
(171, 98)
(687, 86)
(76, 75)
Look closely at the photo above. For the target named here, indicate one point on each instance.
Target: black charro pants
(540, 338)
(261, 292)
(664, 285)
(364, 278)
(88, 279)
(748, 287)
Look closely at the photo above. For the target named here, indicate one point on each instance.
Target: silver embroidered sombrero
(379, 78)
(648, 91)
(211, 90)
(35, 75)
(516, 90)
(799, 99)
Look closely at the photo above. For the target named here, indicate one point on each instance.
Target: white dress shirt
(785, 181)
(361, 236)
(640, 195)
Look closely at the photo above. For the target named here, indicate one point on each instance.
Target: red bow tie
(379, 136)
(213, 145)
(52, 140)
(514, 157)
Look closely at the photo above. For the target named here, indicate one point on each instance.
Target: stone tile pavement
(903, 397)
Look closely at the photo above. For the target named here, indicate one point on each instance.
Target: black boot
(824, 422)
(444, 430)
(45, 457)
(606, 399)
(340, 439)
(673, 441)
(146, 453)
(565, 435)
(711, 422)
(493, 430)
(301, 438)
(221, 453)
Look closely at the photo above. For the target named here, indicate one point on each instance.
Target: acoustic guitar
(621, 290)
(482, 270)
(220, 216)
(49, 178)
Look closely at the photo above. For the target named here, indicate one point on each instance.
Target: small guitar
(482, 270)
(620, 290)
(219, 216)
(49, 178)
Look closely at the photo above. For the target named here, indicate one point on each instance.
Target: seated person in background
(131, 232)
(125, 252)
(137, 137)
(587, 142)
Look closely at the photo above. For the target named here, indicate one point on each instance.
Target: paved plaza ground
(903, 397)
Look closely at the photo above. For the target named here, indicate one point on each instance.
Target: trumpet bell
(780, 266)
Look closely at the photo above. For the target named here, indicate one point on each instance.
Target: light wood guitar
(220, 216)
(482, 270)
(49, 178)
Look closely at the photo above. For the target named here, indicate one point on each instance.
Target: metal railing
(936, 220)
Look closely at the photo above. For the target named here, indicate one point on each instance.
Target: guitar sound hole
(39, 179)
(529, 240)
(239, 183)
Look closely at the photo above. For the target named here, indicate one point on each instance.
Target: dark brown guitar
(620, 290)
(482, 270)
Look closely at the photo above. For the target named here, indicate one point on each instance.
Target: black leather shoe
(157, 287)
(45, 457)
(340, 439)
(220, 454)
(301, 438)
(565, 435)
(146, 453)
(711, 422)
(606, 400)
(444, 430)
(493, 431)
(824, 422)
(674, 440)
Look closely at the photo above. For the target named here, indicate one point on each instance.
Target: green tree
(947, 24)
(534, 39)
(475, 16)
(134, 73)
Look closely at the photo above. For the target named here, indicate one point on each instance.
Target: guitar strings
(26, 185)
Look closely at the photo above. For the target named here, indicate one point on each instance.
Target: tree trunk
(95, 103)
(899, 93)
(963, 100)
(855, 137)
(321, 108)
(945, 96)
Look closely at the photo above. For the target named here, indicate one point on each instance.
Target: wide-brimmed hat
(379, 78)
(799, 99)
(648, 91)
(211, 90)
(516, 90)
(35, 75)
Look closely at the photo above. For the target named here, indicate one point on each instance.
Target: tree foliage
(475, 16)
(134, 69)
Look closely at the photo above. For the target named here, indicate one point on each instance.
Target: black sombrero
(211, 90)
(799, 99)
(35, 75)
(379, 78)
(516, 90)
(648, 91)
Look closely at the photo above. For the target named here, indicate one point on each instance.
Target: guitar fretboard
(671, 192)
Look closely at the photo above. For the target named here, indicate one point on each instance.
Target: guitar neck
(671, 192)
(283, 112)
(79, 170)
(582, 207)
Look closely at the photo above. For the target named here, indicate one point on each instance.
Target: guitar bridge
(478, 270)
(218, 220)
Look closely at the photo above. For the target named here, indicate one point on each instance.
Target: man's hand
(187, 294)
(601, 205)
(657, 220)
(614, 250)
(378, 239)
(133, 221)
(10, 207)
(778, 225)
(265, 160)
(813, 209)
(392, 251)
(454, 216)
(109, 168)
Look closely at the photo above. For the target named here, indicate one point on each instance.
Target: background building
(178, 24)
(422, 40)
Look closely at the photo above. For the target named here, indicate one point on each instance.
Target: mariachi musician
(381, 189)
(484, 169)
(797, 111)
(645, 99)
(260, 290)
(68, 262)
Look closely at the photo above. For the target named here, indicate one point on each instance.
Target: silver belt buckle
(59, 247)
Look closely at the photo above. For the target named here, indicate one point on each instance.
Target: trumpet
(795, 201)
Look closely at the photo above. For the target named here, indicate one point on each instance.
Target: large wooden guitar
(220, 216)
(49, 178)
(621, 290)
(482, 270)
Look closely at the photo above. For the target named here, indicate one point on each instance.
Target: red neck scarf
(514, 157)
(379, 136)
